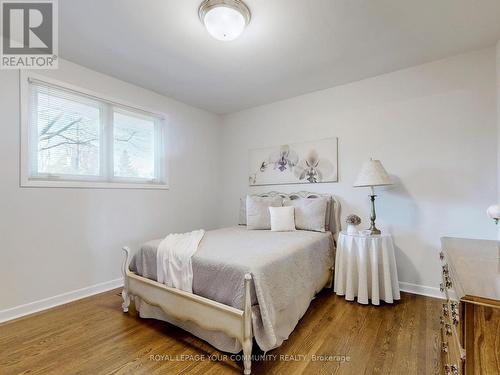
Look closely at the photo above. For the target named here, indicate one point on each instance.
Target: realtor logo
(29, 34)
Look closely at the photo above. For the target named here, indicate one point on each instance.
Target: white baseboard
(61, 299)
(423, 290)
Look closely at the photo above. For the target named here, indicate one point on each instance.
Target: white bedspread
(173, 264)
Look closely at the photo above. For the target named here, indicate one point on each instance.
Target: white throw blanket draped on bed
(173, 266)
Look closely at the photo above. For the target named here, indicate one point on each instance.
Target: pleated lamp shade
(372, 173)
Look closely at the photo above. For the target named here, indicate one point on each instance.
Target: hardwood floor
(93, 336)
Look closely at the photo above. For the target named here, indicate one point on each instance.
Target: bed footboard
(247, 334)
(184, 306)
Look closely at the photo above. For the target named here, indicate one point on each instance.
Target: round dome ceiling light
(224, 19)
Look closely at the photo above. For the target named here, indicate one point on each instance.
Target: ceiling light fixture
(224, 19)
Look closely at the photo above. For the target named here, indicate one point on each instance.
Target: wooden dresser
(470, 316)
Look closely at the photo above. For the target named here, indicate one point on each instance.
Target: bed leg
(247, 327)
(332, 277)
(247, 355)
(126, 300)
(125, 265)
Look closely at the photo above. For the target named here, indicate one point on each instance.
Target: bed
(246, 284)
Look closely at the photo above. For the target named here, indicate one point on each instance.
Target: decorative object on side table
(373, 174)
(365, 267)
(352, 222)
(494, 212)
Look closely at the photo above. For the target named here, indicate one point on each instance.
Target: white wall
(57, 240)
(434, 128)
(498, 120)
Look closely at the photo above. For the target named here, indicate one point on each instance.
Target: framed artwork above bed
(294, 163)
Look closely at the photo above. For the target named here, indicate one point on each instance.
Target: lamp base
(373, 229)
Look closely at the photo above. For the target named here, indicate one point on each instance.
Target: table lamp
(372, 174)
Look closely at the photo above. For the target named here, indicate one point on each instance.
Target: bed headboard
(333, 209)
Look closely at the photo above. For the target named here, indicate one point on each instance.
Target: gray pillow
(258, 216)
(310, 213)
(242, 219)
(328, 219)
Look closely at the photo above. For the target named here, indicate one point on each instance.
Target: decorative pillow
(242, 220)
(328, 219)
(310, 213)
(282, 219)
(258, 216)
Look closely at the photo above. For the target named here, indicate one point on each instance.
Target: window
(133, 145)
(80, 140)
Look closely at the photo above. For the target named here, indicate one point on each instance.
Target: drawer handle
(444, 347)
(448, 283)
(451, 369)
(447, 329)
(446, 271)
(455, 316)
(444, 309)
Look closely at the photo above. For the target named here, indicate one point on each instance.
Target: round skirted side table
(365, 267)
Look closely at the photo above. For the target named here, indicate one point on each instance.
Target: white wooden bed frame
(206, 313)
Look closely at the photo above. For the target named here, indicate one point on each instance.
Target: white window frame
(29, 176)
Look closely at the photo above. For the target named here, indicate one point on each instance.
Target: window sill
(90, 184)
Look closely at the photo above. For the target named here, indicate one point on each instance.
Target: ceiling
(290, 47)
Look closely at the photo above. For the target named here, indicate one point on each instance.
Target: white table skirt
(365, 267)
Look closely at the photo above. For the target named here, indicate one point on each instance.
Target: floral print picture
(300, 163)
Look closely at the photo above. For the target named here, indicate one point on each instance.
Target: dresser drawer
(444, 350)
(446, 284)
(456, 363)
(452, 309)
(456, 316)
(451, 353)
(453, 312)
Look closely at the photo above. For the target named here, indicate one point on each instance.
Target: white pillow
(282, 219)
(258, 212)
